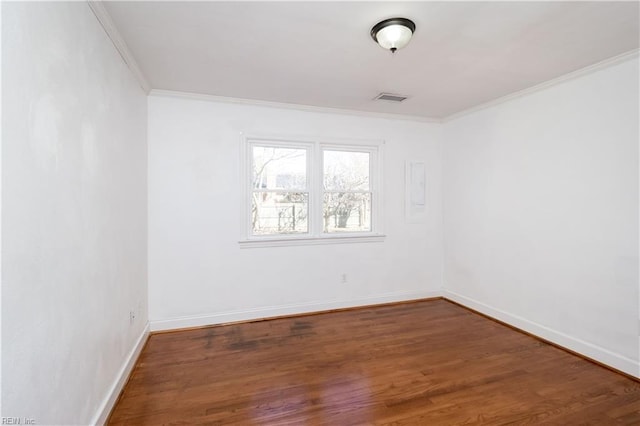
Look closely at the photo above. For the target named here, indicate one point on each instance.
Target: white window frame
(315, 170)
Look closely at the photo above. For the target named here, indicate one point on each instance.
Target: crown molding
(98, 9)
(615, 60)
(297, 107)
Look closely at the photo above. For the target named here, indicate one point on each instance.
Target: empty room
(320, 213)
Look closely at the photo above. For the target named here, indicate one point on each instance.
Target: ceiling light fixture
(394, 33)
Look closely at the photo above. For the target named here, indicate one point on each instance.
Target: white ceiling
(463, 54)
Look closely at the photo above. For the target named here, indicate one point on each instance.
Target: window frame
(251, 189)
(315, 186)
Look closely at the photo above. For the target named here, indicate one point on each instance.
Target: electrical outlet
(132, 317)
(344, 278)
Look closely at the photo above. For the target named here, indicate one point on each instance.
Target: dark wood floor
(423, 363)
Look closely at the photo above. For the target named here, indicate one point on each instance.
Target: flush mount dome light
(394, 33)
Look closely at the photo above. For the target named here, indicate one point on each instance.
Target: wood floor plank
(422, 363)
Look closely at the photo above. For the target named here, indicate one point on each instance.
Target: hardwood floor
(422, 363)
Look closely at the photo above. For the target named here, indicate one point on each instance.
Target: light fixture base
(393, 33)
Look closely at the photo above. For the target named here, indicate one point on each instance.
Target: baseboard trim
(272, 312)
(109, 402)
(586, 350)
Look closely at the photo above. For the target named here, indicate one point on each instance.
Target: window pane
(348, 171)
(279, 168)
(347, 211)
(279, 213)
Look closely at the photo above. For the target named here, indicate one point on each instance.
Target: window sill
(310, 241)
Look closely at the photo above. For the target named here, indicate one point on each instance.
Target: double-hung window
(279, 189)
(346, 197)
(310, 192)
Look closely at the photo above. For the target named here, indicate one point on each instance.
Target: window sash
(279, 215)
(368, 214)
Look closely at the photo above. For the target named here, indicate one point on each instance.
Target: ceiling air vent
(390, 97)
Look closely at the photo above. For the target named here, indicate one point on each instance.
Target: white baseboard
(589, 350)
(293, 309)
(112, 396)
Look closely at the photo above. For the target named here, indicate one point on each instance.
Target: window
(346, 204)
(309, 192)
(280, 194)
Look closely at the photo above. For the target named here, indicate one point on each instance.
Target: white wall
(541, 213)
(74, 213)
(198, 274)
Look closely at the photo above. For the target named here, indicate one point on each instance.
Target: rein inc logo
(17, 421)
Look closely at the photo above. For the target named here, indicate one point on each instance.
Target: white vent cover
(390, 97)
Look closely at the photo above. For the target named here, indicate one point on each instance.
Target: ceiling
(463, 54)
